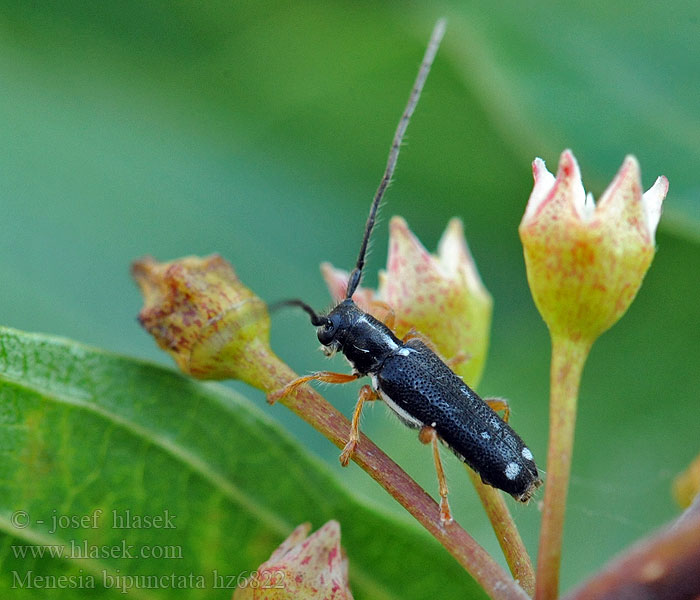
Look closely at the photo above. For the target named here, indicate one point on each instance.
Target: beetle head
(333, 332)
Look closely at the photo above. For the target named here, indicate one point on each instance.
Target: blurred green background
(260, 131)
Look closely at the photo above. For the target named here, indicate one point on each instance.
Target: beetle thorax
(365, 341)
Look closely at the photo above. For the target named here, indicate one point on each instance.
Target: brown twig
(315, 410)
(506, 532)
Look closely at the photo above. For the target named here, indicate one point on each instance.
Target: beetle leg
(458, 359)
(326, 376)
(367, 394)
(499, 404)
(377, 307)
(428, 435)
(413, 333)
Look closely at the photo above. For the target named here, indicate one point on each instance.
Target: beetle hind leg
(428, 435)
(497, 404)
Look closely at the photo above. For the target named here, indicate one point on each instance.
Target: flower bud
(199, 311)
(686, 486)
(302, 568)
(585, 261)
(442, 296)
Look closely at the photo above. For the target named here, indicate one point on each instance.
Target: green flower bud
(585, 261)
(210, 323)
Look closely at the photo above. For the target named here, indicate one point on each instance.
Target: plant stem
(664, 565)
(314, 409)
(568, 358)
(506, 532)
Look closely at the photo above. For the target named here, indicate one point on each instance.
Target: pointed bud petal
(565, 194)
(652, 200)
(440, 296)
(199, 311)
(302, 568)
(585, 263)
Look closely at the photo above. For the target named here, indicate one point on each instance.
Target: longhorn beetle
(411, 379)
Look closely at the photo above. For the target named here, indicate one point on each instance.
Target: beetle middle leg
(428, 435)
(326, 376)
(367, 394)
(382, 311)
(458, 359)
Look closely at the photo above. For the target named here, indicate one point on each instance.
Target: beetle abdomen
(426, 392)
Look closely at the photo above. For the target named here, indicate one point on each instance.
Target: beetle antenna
(430, 52)
(316, 319)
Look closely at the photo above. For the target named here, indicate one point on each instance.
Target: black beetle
(411, 378)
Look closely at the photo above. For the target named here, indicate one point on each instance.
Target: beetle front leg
(428, 435)
(326, 376)
(367, 394)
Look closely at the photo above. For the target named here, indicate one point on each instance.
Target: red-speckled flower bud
(302, 568)
(585, 262)
(440, 296)
(199, 311)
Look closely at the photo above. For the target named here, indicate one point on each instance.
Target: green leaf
(88, 438)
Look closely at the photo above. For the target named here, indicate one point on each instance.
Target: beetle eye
(326, 332)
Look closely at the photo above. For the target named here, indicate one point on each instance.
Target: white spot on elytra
(485, 435)
(527, 455)
(512, 470)
(404, 352)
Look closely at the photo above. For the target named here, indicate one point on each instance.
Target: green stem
(568, 358)
(308, 404)
(506, 532)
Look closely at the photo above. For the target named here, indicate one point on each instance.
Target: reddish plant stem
(308, 404)
(568, 358)
(506, 532)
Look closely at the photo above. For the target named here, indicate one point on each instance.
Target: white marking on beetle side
(365, 350)
(409, 420)
(512, 470)
(485, 435)
(495, 423)
(389, 342)
(404, 352)
(527, 455)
